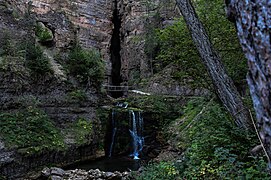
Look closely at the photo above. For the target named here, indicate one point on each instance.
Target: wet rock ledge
(79, 174)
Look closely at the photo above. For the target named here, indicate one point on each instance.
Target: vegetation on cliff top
(86, 65)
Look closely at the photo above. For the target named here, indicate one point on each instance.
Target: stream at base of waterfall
(120, 162)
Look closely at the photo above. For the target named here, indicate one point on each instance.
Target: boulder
(56, 178)
(57, 171)
(46, 172)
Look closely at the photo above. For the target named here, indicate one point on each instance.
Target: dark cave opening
(115, 48)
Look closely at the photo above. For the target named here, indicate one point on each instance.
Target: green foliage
(14, 65)
(3, 177)
(36, 61)
(176, 46)
(216, 148)
(213, 147)
(224, 37)
(30, 131)
(164, 109)
(103, 116)
(12, 51)
(43, 33)
(78, 95)
(86, 65)
(134, 77)
(8, 46)
(15, 14)
(153, 103)
(191, 110)
(159, 171)
(81, 130)
(151, 41)
(28, 100)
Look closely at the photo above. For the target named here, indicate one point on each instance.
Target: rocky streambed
(55, 173)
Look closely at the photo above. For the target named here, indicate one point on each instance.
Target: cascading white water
(136, 133)
(135, 128)
(114, 129)
(141, 125)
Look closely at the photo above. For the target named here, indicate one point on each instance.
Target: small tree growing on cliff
(86, 65)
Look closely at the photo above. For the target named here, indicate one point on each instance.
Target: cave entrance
(115, 48)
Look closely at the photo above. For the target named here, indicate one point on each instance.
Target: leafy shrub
(213, 147)
(27, 51)
(86, 65)
(154, 103)
(43, 33)
(22, 55)
(81, 130)
(15, 66)
(30, 130)
(156, 171)
(8, 46)
(217, 149)
(28, 100)
(78, 95)
(175, 45)
(36, 61)
(164, 109)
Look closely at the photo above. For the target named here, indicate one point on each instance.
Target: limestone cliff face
(133, 59)
(87, 21)
(137, 16)
(91, 23)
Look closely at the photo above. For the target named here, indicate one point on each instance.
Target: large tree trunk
(224, 86)
(253, 22)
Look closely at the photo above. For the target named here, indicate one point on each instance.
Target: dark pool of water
(109, 164)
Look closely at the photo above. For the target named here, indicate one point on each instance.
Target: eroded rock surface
(136, 17)
(87, 21)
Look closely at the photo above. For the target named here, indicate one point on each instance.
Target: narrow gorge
(115, 49)
(57, 91)
(115, 89)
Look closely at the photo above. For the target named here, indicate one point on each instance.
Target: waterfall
(114, 130)
(137, 133)
(126, 128)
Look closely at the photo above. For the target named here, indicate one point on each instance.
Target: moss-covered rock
(43, 33)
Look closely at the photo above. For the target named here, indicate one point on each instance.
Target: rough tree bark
(253, 23)
(224, 86)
